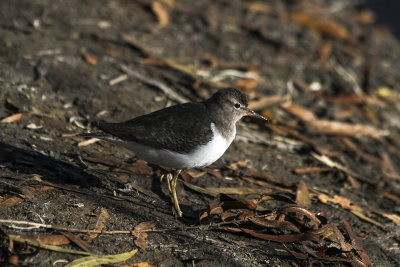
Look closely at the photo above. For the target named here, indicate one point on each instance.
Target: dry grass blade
(101, 260)
(48, 247)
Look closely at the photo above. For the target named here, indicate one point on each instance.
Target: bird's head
(234, 103)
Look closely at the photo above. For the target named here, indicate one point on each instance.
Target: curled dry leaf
(161, 10)
(281, 225)
(303, 212)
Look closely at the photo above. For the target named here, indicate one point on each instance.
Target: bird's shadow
(28, 163)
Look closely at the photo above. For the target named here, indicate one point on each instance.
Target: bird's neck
(225, 125)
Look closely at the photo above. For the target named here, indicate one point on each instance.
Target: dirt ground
(317, 186)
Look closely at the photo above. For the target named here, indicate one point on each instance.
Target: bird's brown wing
(178, 128)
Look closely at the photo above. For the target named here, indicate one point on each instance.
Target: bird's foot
(174, 196)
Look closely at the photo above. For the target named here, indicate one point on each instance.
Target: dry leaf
(299, 111)
(100, 224)
(283, 238)
(12, 118)
(312, 170)
(302, 196)
(162, 12)
(142, 236)
(195, 174)
(322, 25)
(88, 142)
(264, 102)
(246, 84)
(79, 242)
(343, 128)
(11, 201)
(55, 240)
(88, 58)
(257, 7)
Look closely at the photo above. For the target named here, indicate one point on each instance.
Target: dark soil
(57, 59)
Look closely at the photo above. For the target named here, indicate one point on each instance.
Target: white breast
(202, 156)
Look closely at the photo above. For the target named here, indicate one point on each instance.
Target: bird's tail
(93, 135)
(100, 135)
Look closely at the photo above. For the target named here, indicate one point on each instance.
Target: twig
(169, 92)
(34, 225)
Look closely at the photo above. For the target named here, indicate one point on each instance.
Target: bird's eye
(237, 105)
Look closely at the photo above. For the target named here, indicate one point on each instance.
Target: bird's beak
(252, 113)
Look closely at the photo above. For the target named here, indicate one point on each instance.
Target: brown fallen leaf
(225, 215)
(281, 225)
(80, 243)
(356, 244)
(216, 173)
(303, 212)
(89, 58)
(265, 184)
(312, 170)
(302, 195)
(320, 24)
(12, 118)
(195, 174)
(343, 128)
(301, 112)
(246, 84)
(264, 102)
(55, 240)
(257, 6)
(100, 224)
(140, 235)
(324, 51)
(283, 238)
(11, 201)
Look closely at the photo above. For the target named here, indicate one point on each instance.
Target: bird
(183, 136)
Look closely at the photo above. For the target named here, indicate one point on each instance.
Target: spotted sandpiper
(183, 136)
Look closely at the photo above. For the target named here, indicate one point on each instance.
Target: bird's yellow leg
(174, 196)
(169, 179)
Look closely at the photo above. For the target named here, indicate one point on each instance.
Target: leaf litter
(343, 113)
